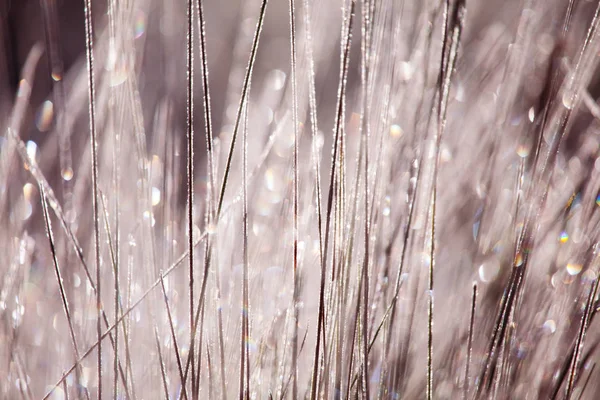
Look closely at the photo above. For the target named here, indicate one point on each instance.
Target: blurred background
(515, 62)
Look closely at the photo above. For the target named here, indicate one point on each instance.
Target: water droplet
(269, 114)
(488, 271)
(257, 228)
(550, 326)
(28, 191)
(406, 70)
(386, 207)
(55, 322)
(564, 237)
(523, 150)
(519, 259)
(76, 280)
(44, 116)
(23, 88)
(56, 76)
(276, 79)
(460, 93)
(148, 216)
(211, 229)
(481, 190)
(568, 99)
(155, 196)
(251, 344)
(271, 180)
(531, 114)
(140, 24)
(445, 154)
(118, 73)
(396, 131)
(17, 317)
(574, 269)
(31, 149)
(522, 350)
(319, 140)
(67, 174)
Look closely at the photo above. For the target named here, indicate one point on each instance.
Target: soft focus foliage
(416, 153)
